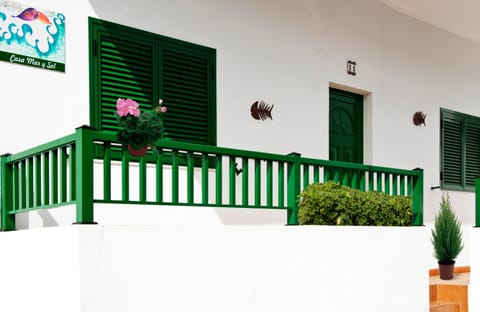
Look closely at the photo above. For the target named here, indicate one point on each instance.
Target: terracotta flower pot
(137, 152)
(446, 269)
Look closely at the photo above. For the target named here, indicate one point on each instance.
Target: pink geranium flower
(127, 107)
(159, 108)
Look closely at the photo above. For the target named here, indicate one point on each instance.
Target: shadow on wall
(23, 219)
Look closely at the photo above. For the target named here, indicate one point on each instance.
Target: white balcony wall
(215, 268)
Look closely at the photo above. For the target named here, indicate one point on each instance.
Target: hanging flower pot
(137, 128)
(137, 152)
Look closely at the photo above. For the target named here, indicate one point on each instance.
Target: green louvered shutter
(124, 68)
(472, 153)
(460, 147)
(186, 90)
(452, 156)
(130, 63)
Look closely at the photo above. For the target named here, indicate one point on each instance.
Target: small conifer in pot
(446, 238)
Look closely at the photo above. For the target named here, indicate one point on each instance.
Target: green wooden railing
(90, 167)
(477, 202)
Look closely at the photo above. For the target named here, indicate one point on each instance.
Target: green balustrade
(62, 172)
(477, 202)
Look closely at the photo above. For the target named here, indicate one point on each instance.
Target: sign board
(32, 36)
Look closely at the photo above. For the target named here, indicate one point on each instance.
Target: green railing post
(477, 202)
(417, 204)
(293, 188)
(6, 204)
(84, 178)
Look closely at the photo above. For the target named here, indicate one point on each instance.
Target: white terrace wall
(474, 287)
(215, 268)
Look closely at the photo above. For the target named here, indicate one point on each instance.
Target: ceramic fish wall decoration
(261, 110)
(419, 119)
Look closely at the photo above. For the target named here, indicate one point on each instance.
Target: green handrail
(37, 179)
(61, 172)
(477, 202)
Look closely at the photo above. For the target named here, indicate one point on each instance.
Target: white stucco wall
(474, 287)
(215, 268)
(286, 53)
(41, 270)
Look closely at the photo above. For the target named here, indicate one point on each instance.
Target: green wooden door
(346, 126)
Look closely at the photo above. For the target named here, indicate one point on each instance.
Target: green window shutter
(452, 152)
(460, 150)
(186, 89)
(126, 71)
(130, 63)
(472, 153)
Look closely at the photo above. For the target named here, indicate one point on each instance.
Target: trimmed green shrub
(333, 204)
(446, 233)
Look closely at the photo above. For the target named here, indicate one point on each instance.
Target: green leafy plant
(446, 233)
(139, 129)
(333, 204)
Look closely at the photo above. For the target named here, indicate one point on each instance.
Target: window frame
(161, 43)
